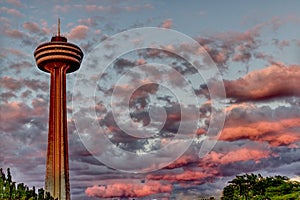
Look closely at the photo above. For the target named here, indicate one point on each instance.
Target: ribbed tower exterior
(58, 58)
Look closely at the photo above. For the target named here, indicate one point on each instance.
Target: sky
(209, 92)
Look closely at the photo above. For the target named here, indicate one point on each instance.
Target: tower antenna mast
(58, 28)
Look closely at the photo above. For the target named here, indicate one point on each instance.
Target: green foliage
(230, 193)
(9, 190)
(256, 187)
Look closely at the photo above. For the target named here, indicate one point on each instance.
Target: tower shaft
(57, 166)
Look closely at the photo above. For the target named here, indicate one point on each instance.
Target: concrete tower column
(57, 166)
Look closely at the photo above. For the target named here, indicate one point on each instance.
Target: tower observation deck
(58, 57)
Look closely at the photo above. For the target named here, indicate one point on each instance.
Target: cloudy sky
(254, 46)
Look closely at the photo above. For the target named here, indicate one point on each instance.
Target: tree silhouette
(9, 190)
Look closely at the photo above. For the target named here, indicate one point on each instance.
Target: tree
(41, 193)
(229, 193)
(9, 191)
(2, 181)
(251, 186)
(239, 183)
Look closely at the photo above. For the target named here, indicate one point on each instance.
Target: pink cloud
(273, 81)
(141, 61)
(97, 32)
(189, 174)
(78, 32)
(5, 96)
(10, 83)
(14, 115)
(287, 138)
(15, 2)
(91, 8)
(183, 160)
(208, 166)
(88, 21)
(281, 44)
(32, 27)
(5, 21)
(14, 111)
(167, 23)
(221, 57)
(128, 189)
(60, 8)
(148, 5)
(241, 57)
(137, 7)
(260, 55)
(275, 132)
(16, 52)
(11, 11)
(238, 155)
(278, 126)
(276, 22)
(231, 45)
(17, 84)
(21, 65)
(13, 33)
(36, 85)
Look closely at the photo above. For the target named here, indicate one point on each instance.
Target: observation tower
(58, 58)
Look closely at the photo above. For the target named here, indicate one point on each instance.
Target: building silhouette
(58, 57)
